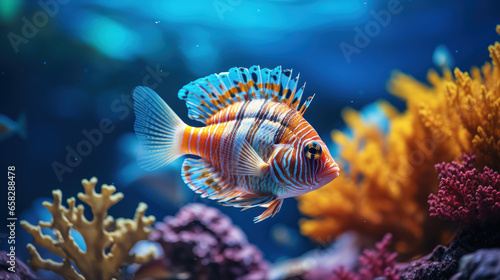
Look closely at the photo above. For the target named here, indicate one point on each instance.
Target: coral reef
(21, 270)
(466, 195)
(387, 179)
(471, 199)
(386, 184)
(482, 264)
(108, 241)
(470, 114)
(466, 109)
(202, 243)
(380, 262)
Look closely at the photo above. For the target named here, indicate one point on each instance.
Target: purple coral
(380, 262)
(21, 270)
(466, 195)
(202, 242)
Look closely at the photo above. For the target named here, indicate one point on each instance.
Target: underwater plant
(386, 183)
(471, 199)
(108, 241)
(202, 243)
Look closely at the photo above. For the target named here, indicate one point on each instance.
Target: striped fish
(255, 149)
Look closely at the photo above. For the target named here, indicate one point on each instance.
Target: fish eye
(312, 150)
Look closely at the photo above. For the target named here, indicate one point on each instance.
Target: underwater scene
(169, 139)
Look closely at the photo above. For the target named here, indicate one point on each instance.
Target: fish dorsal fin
(208, 95)
(306, 105)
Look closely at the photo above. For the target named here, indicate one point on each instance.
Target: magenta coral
(470, 198)
(379, 262)
(466, 196)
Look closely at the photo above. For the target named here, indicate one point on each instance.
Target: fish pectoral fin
(245, 161)
(272, 208)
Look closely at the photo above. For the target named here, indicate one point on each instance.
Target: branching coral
(389, 176)
(380, 262)
(387, 182)
(202, 243)
(469, 107)
(107, 249)
(466, 195)
(470, 198)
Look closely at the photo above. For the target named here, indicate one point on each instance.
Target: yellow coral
(390, 176)
(106, 250)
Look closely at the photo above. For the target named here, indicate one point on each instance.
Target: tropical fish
(255, 149)
(9, 127)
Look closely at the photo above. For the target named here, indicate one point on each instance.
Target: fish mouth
(329, 174)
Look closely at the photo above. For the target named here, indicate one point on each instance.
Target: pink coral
(344, 274)
(373, 263)
(379, 262)
(466, 196)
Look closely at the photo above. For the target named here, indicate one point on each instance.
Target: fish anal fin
(202, 178)
(272, 208)
(248, 200)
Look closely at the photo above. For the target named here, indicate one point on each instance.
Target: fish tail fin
(21, 125)
(158, 129)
